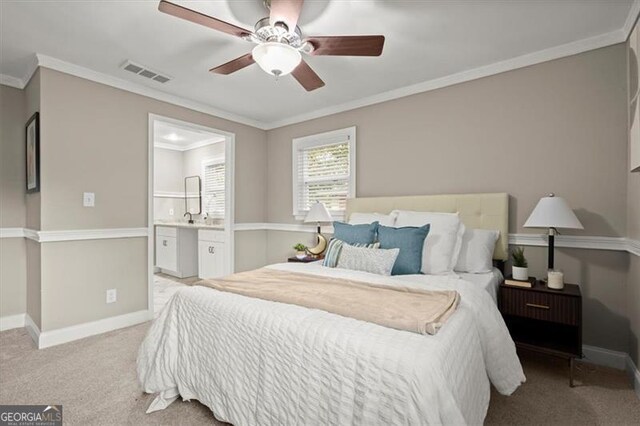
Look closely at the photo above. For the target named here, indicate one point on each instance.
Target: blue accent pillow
(410, 241)
(355, 234)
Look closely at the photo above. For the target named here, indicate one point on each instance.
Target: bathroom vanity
(187, 250)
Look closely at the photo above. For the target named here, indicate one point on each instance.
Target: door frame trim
(230, 144)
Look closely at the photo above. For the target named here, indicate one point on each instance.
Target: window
(324, 170)
(213, 172)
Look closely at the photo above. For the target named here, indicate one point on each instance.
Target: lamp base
(320, 248)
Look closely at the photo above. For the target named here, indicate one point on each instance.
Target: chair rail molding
(539, 240)
(73, 234)
(12, 233)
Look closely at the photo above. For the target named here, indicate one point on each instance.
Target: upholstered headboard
(477, 211)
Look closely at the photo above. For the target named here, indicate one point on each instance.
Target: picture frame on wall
(32, 158)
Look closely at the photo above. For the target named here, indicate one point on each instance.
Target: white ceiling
(425, 40)
(183, 138)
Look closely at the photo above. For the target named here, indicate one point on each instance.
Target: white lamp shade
(553, 212)
(276, 58)
(318, 213)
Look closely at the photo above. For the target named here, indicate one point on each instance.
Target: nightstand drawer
(541, 306)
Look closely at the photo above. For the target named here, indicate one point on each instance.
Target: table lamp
(552, 212)
(318, 213)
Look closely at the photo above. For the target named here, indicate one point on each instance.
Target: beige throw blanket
(402, 308)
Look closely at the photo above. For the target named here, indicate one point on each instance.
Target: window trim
(320, 139)
(218, 159)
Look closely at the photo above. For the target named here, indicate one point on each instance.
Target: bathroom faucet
(190, 216)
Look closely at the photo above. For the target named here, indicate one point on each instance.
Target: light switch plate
(89, 199)
(112, 295)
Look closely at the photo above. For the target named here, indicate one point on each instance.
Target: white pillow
(365, 218)
(441, 247)
(476, 254)
(376, 261)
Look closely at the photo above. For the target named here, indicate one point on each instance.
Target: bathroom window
(213, 171)
(324, 171)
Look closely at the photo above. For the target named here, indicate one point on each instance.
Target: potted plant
(301, 250)
(520, 269)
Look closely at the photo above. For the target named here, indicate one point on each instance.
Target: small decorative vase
(520, 274)
(301, 255)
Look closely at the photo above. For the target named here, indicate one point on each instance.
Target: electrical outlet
(89, 199)
(112, 295)
(170, 212)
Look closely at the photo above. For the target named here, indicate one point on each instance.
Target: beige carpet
(95, 381)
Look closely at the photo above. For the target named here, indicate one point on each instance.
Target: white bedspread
(258, 362)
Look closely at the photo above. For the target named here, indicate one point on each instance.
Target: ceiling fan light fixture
(276, 58)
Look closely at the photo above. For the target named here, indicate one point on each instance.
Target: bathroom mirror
(192, 200)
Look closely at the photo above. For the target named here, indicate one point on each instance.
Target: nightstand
(544, 320)
(307, 259)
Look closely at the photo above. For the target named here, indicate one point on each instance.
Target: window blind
(214, 189)
(323, 174)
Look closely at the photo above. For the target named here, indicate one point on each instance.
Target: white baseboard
(605, 357)
(634, 375)
(32, 329)
(63, 335)
(11, 321)
(613, 359)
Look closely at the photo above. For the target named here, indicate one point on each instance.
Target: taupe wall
(94, 139)
(633, 280)
(633, 300)
(77, 274)
(106, 131)
(12, 151)
(556, 127)
(13, 279)
(33, 104)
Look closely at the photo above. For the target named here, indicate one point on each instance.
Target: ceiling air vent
(145, 72)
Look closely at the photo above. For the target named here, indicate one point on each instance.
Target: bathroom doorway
(190, 206)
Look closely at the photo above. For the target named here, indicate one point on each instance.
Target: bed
(253, 361)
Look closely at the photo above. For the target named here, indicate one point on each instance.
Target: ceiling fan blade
(201, 18)
(307, 77)
(287, 11)
(234, 65)
(370, 45)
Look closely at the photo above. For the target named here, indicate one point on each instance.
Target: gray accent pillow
(376, 261)
(335, 247)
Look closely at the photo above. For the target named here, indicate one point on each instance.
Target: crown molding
(632, 17)
(139, 89)
(7, 80)
(573, 48)
(529, 59)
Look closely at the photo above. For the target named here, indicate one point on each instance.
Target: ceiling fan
(280, 42)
